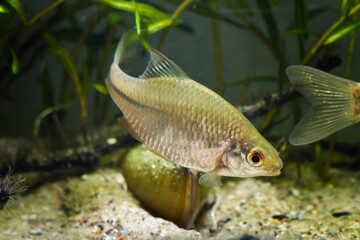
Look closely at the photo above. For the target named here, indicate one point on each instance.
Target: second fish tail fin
(332, 104)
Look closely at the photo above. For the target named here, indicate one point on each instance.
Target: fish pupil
(255, 159)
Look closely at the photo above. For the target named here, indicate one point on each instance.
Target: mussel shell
(166, 190)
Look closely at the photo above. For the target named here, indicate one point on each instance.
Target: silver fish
(335, 103)
(187, 123)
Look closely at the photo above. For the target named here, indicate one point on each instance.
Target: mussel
(166, 190)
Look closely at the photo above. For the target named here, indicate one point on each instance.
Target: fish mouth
(264, 173)
(275, 170)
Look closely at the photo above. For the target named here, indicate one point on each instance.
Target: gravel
(98, 206)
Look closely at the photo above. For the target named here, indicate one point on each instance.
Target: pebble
(106, 237)
(341, 214)
(35, 232)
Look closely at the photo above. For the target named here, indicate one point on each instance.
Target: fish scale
(187, 123)
(205, 133)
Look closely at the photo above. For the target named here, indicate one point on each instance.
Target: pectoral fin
(210, 179)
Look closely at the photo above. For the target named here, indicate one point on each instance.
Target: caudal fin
(128, 46)
(332, 106)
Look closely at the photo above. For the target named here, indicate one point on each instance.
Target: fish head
(246, 160)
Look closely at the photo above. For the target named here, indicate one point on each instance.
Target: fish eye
(255, 158)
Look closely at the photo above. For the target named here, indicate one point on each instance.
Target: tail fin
(127, 46)
(332, 106)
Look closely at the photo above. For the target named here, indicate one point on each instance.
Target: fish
(186, 123)
(335, 103)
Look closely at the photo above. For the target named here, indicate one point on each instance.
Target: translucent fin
(331, 108)
(160, 66)
(210, 179)
(126, 47)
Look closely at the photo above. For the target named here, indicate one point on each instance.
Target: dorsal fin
(160, 66)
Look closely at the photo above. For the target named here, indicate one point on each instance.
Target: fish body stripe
(127, 98)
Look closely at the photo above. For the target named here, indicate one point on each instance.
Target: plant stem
(174, 16)
(44, 11)
(300, 23)
(44, 113)
(100, 102)
(32, 20)
(274, 35)
(87, 30)
(330, 30)
(351, 50)
(217, 50)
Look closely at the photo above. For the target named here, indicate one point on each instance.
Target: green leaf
(67, 60)
(3, 9)
(300, 17)
(158, 25)
(100, 88)
(114, 18)
(342, 32)
(344, 6)
(19, 9)
(14, 63)
(238, 6)
(276, 2)
(44, 113)
(61, 54)
(137, 18)
(142, 8)
(296, 31)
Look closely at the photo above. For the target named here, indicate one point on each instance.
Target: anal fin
(210, 179)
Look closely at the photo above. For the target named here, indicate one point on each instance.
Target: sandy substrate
(98, 206)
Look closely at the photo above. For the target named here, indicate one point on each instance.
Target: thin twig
(264, 105)
(25, 155)
(174, 16)
(87, 31)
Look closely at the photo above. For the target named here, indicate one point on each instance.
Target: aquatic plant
(10, 186)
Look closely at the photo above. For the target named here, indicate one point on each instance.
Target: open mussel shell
(164, 189)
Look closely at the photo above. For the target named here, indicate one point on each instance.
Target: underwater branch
(267, 103)
(24, 155)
